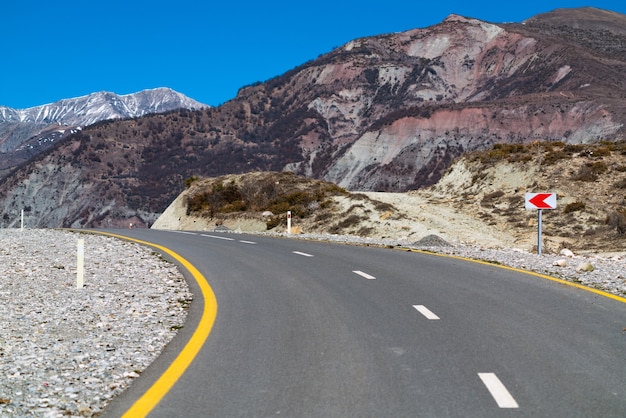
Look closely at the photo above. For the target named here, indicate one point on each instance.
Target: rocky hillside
(260, 201)
(589, 180)
(383, 113)
(480, 200)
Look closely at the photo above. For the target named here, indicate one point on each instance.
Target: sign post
(540, 201)
(539, 212)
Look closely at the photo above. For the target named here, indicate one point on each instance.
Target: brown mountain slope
(383, 113)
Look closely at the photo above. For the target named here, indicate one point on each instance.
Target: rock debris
(67, 351)
(607, 272)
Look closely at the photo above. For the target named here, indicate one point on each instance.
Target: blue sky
(62, 49)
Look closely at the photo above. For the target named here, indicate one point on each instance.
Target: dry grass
(588, 180)
(252, 194)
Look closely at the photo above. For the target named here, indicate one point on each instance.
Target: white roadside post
(540, 201)
(80, 264)
(289, 222)
(22, 220)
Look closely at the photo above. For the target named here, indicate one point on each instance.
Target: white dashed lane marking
(498, 390)
(367, 276)
(216, 237)
(425, 311)
(495, 387)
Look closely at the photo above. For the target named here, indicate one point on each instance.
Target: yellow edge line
(532, 273)
(159, 389)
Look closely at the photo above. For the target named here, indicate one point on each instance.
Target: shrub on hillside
(590, 171)
(509, 152)
(489, 198)
(189, 181)
(620, 184)
(574, 206)
(219, 199)
(350, 221)
(554, 156)
(275, 192)
(617, 220)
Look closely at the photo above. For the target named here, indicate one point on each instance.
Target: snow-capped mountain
(87, 110)
(29, 129)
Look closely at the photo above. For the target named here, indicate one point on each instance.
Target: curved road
(306, 329)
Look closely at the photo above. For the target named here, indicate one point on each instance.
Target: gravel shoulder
(67, 351)
(608, 271)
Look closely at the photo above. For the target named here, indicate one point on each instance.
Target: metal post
(539, 231)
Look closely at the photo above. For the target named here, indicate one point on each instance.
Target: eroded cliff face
(458, 86)
(54, 196)
(411, 152)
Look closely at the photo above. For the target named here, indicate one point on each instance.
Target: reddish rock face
(390, 112)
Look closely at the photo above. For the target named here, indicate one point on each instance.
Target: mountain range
(382, 113)
(26, 132)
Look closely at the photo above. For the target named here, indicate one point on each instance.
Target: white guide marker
(302, 254)
(216, 237)
(426, 312)
(80, 264)
(367, 276)
(498, 390)
(246, 242)
(289, 222)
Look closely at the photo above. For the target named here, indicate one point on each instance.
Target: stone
(432, 241)
(296, 230)
(560, 263)
(566, 253)
(585, 266)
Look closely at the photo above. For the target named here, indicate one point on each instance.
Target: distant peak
(582, 18)
(458, 18)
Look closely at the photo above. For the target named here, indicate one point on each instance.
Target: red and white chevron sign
(540, 200)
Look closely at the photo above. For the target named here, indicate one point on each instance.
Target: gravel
(609, 271)
(67, 351)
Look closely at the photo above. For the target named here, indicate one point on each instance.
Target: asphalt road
(307, 329)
